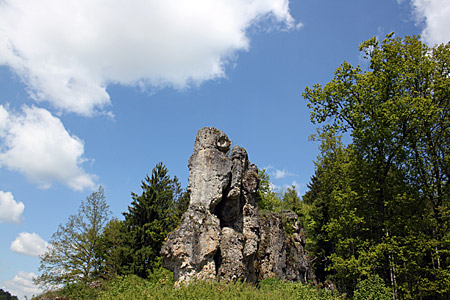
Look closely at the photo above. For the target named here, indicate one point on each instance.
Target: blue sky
(96, 93)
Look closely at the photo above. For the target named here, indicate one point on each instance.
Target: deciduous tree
(72, 253)
(394, 194)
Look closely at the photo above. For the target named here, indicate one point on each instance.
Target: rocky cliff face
(221, 232)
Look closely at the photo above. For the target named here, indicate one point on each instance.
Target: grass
(133, 287)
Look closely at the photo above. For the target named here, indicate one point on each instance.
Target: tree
(372, 288)
(267, 199)
(333, 211)
(395, 192)
(71, 256)
(291, 200)
(4, 295)
(112, 248)
(151, 216)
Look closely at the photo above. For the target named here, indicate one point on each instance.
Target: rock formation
(282, 251)
(220, 233)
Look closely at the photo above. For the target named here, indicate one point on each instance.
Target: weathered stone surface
(231, 259)
(209, 169)
(220, 233)
(189, 251)
(282, 251)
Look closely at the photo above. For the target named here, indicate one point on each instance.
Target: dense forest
(376, 213)
(380, 204)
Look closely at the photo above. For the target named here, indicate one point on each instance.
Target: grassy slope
(133, 287)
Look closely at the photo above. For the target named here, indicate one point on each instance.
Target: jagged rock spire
(220, 236)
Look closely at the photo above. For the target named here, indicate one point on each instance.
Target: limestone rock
(189, 251)
(221, 235)
(209, 169)
(282, 251)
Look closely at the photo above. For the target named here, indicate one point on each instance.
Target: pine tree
(150, 218)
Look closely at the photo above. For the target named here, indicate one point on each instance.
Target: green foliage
(112, 248)
(291, 200)
(77, 291)
(72, 254)
(372, 288)
(89, 248)
(151, 216)
(127, 287)
(161, 287)
(320, 210)
(133, 287)
(4, 295)
(381, 204)
(267, 198)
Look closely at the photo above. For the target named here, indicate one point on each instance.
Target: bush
(372, 288)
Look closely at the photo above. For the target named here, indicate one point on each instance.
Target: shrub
(372, 288)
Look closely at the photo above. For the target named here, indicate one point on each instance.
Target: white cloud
(277, 173)
(274, 187)
(280, 174)
(299, 187)
(22, 285)
(36, 144)
(67, 52)
(436, 17)
(29, 244)
(10, 210)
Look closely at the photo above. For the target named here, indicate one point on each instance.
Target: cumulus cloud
(67, 52)
(29, 244)
(280, 174)
(36, 144)
(277, 173)
(22, 285)
(436, 17)
(10, 210)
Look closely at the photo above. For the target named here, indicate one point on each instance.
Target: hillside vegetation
(134, 287)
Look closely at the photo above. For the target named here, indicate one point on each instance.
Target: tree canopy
(4, 295)
(381, 205)
(91, 247)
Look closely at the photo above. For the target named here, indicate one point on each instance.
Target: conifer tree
(4, 295)
(112, 248)
(150, 218)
